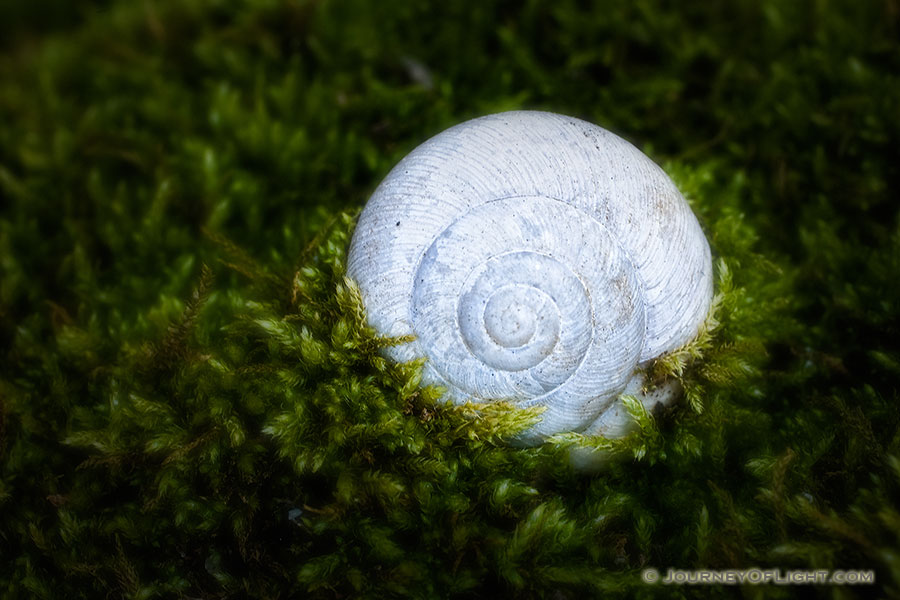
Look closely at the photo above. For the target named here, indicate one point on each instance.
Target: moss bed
(191, 404)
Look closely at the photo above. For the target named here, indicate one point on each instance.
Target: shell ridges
(535, 257)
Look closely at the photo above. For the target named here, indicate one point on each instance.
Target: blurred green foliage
(191, 404)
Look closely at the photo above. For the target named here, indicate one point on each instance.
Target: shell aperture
(536, 258)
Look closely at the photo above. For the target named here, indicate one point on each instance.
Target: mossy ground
(191, 404)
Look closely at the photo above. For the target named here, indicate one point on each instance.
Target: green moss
(191, 404)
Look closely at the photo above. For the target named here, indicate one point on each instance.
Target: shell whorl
(534, 257)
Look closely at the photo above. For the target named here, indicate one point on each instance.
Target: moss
(191, 404)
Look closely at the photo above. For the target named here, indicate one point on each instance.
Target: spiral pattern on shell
(534, 257)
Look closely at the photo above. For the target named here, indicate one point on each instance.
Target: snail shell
(537, 258)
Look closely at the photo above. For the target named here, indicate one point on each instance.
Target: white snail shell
(537, 258)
